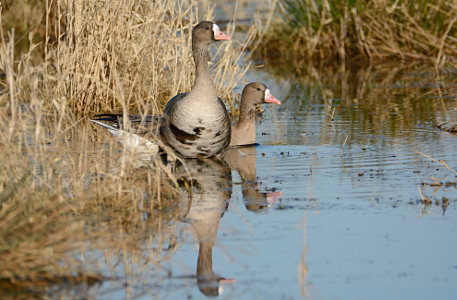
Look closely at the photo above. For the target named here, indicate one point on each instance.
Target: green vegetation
(327, 31)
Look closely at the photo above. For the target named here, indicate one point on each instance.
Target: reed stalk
(67, 189)
(329, 32)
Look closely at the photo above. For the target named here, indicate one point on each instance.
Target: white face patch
(220, 290)
(216, 30)
(267, 93)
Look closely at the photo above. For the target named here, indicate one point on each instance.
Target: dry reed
(336, 31)
(66, 186)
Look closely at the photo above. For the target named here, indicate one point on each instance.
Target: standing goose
(194, 124)
(197, 124)
(254, 93)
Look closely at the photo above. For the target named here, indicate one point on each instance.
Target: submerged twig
(342, 148)
(441, 162)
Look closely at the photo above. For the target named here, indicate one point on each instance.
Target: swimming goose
(197, 124)
(194, 124)
(254, 93)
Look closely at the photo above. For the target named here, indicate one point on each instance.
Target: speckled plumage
(197, 124)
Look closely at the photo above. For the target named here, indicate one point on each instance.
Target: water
(337, 202)
(344, 198)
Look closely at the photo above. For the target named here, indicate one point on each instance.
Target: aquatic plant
(335, 31)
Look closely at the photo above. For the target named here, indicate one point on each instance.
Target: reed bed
(326, 32)
(67, 189)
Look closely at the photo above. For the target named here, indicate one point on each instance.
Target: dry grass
(66, 188)
(131, 57)
(28, 19)
(336, 31)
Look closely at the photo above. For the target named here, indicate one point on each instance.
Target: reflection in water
(382, 114)
(209, 188)
(243, 160)
(381, 100)
(303, 266)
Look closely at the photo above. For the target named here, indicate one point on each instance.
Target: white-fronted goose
(140, 138)
(253, 94)
(133, 142)
(197, 124)
(194, 124)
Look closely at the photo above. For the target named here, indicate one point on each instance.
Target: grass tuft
(338, 31)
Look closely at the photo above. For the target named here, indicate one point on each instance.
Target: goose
(145, 131)
(194, 124)
(242, 134)
(253, 94)
(197, 125)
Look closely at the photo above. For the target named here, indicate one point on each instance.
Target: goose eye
(258, 89)
(207, 28)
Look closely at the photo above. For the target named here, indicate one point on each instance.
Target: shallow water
(339, 200)
(331, 205)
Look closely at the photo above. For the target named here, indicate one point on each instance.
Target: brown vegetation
(62, 191)
(328, 31)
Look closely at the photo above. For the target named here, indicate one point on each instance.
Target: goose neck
(205, 258)
(247, 114)
(202, 74)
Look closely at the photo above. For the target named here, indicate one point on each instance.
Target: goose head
(257, 93)
(206, 33)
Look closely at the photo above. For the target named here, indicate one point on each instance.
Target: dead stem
(83, 192)
(441, 162)
(373, 30)
(341, 154)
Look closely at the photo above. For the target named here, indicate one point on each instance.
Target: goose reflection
(208, 183)
(208, 189)
(244, 161)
